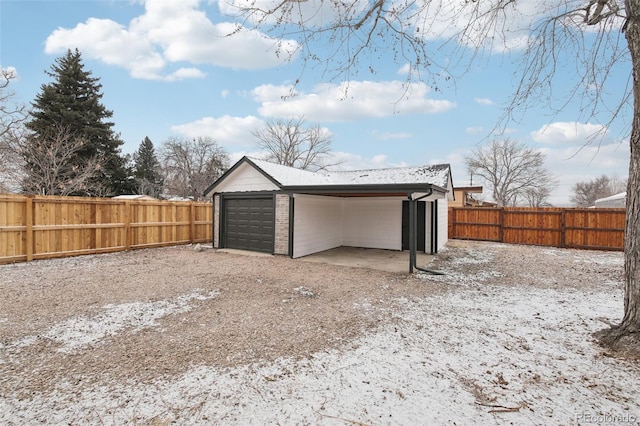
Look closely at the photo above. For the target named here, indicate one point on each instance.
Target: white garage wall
(427, 227)
(372, 222)
(246, 179)
(317, 224)
(443, 222)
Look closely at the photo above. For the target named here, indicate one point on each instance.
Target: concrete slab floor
(377, 259)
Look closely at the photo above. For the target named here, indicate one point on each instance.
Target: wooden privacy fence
(598, 229)
(41, 227)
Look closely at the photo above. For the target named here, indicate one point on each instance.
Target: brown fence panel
(13, 219)
(534, 227)
(202, 222)
(601, 229)
(475, 224)
(40, 227)
(155, 224)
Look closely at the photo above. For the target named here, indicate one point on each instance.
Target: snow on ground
(489, 354)
(477, 354)
(79, 332)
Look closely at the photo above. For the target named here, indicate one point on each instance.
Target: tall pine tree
(72, 102)
(147, 170)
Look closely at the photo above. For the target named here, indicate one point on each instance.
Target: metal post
(412, 233)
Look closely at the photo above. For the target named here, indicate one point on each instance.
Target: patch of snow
(79, 332)
(453, 277)
(304, 291)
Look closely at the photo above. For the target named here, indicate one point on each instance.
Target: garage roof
(437, 177)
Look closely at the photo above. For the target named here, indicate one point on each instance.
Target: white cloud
(405, 69)
(478, 24)
(484, 101)
(226, 130)
(10, 73)
(168, 33)
(386, 136)
(563, 132)
(474, 130)
(442, 19)
(349, 101)
(184, 73)
(312, 13)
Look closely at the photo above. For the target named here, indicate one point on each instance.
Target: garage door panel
(249, 224)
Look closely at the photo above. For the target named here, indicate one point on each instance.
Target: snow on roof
(619, 196)
(288, 176)
(134, 197)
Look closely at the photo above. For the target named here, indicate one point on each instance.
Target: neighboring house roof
(134, 197)
(616, 200)
(437, 177)
(470, 189)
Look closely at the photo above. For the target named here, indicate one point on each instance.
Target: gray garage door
(249, 224)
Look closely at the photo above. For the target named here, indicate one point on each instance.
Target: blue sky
(167, 70)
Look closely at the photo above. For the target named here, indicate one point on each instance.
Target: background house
(271, 208)
(613, 201)
(135, 197)
(463, 196)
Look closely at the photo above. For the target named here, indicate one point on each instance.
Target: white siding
(443, 222)
(427, 227)
(317, 224)
(372, 223)
(245, 179)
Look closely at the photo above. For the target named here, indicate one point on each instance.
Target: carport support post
(413, 213)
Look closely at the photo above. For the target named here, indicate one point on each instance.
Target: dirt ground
(77, 325)
(245, 309)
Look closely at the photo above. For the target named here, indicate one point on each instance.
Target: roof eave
(364, 188)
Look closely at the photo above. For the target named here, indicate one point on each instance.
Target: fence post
(29, 228)
(174, 217)
(563, 228)
(192, 222)
(502, 224)
(127, 225)
(98, 229)
(452, 222)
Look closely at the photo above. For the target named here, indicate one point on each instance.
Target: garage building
(270, 208)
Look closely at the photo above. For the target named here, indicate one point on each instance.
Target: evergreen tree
(147, 170)
(72, 102)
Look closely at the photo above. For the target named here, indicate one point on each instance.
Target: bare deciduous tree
(512, 171)
(585, 194)
(290, 143)
(12, 118)
(583, 39)
(539, 197)
(191, 165)
(50, 165)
